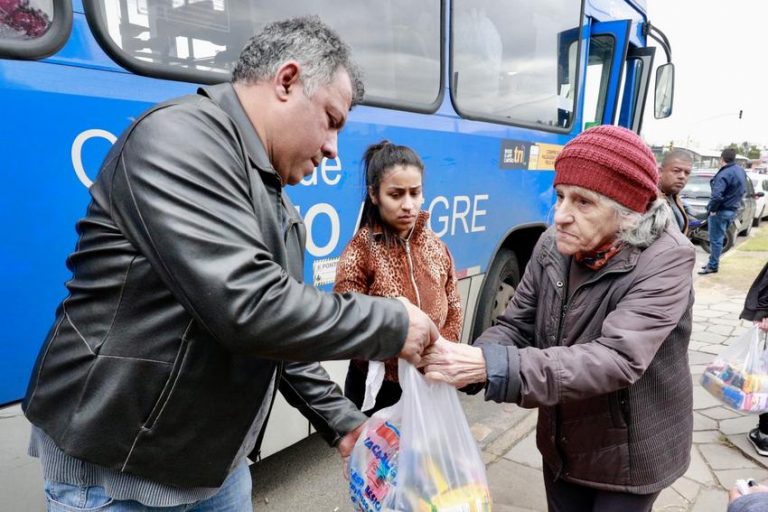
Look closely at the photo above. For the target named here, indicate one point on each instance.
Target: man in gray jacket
(186, 311)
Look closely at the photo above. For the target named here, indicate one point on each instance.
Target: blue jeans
(717, 227)
(234, 496)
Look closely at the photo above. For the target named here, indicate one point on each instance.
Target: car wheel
(747, 229)
(758, 218)
(500, 285)
(730, 240)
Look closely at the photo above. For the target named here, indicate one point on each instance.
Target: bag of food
(739, 375)
(418, 455)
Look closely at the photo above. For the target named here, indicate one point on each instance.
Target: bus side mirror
(665, 91)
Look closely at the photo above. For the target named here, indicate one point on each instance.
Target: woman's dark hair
(379, 159)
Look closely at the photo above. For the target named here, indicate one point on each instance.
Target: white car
(760, 183)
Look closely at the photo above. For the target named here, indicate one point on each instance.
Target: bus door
(637, 78)
(606, 51)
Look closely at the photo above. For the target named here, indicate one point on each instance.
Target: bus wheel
(500, 284)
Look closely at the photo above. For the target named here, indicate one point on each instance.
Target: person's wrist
(473, 365)
(479, 373)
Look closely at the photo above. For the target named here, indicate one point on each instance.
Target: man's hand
(762, 324)
(455, 363)
(345, 447)
(421, 333)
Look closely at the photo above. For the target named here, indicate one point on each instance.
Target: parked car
(760, 184)
(698, 232)
(697, 192)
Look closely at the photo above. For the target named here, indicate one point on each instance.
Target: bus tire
(500, 284)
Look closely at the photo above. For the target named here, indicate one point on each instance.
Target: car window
(760, 183)
(698, 186)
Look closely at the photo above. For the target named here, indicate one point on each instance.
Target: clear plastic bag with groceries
(419, 454)
(738, 377)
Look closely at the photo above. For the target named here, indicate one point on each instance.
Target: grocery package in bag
(739, 376)
(418, 455)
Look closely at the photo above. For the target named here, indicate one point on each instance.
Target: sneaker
(707, 270)
(759, 441)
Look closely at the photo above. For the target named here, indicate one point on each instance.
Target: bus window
(507, 62)
(637, 74)
(33, 29)
(601, 50)
(25, 20)
(397, 43)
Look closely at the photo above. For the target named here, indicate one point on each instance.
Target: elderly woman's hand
(457, 364)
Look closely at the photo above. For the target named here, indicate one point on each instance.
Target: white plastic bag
(739, 375)
(419, 454)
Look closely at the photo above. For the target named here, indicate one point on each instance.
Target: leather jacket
(185, 301)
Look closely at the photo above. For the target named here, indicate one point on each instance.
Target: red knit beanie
(611, 161)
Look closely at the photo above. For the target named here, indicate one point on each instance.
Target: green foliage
(746, 148)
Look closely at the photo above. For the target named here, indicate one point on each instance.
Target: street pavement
(308, 475)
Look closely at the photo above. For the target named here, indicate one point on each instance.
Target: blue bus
(487, 91)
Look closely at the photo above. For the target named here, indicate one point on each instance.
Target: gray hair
(314, 45)
(641, 229)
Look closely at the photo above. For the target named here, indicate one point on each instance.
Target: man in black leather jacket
(186, 310)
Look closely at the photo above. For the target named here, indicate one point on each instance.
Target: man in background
(673, 176)
(728, 188)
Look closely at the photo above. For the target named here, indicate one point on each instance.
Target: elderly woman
(597, 333)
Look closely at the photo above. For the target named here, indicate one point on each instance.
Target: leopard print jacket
(368, 266)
